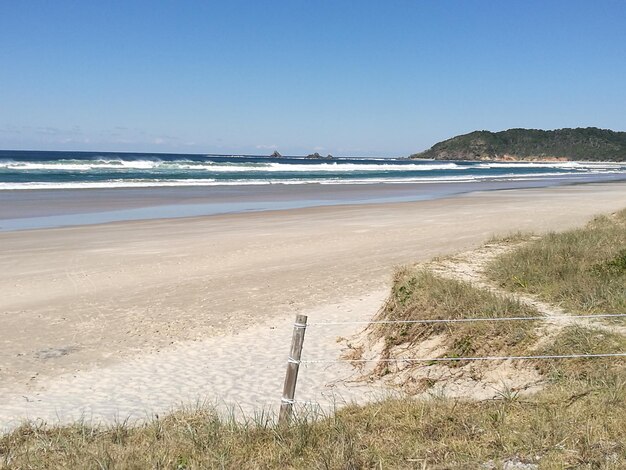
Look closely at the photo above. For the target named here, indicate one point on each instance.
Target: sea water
(39, 170)
(41, 189)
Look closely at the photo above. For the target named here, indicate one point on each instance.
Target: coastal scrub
(418, 294)
(582, 270)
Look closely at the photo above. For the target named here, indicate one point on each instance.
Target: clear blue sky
(345, 77)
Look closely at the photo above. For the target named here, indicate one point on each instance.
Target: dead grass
(563, 427)
(581, 270)
(421, 295)
(592, 372)
(511, 237)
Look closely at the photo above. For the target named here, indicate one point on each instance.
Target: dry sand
(136, 317)
(240, 373)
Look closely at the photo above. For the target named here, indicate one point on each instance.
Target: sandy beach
(126, 319)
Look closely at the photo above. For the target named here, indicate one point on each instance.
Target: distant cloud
(267, 147)
(40, 130)
(74, 137)
(166, 140)
(9, 129)
(71, 140)
(48, 130)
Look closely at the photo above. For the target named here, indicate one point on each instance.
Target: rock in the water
(317, 155)
(276, 154)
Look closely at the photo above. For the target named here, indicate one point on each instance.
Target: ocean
(63, 170)
(55, 189)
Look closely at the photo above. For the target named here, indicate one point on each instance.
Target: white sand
(242, 373)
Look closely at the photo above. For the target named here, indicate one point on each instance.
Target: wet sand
(43, 208)
(83, 307)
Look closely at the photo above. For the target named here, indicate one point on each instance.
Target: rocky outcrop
(319, 157)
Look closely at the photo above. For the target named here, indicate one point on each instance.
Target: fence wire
(455, 359)
(465, 320)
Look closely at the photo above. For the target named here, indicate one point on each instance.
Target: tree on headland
(588, 143)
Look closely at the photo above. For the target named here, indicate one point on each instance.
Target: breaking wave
(52, 170)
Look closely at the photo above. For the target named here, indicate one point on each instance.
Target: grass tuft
(421, 295)
(512, 237)
(583, 270)
(587, 371)
(555, 430)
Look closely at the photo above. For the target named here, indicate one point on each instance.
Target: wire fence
(466, 320)
(294, 360)
(458, 320)
(456, 359)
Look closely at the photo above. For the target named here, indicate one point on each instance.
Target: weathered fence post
(293, 365)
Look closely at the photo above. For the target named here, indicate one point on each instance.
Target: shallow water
(37, 209)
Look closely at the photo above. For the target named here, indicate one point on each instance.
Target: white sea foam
(79, 165)
(563, 165)
(277, 167)
(145, 183)
(219, 167)
(531, 165)
(356, 167)
(188, 172)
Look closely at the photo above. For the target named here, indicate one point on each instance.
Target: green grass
(582, 270)
(511, 237)
(421, 295)
(564, 427)
(593, 372)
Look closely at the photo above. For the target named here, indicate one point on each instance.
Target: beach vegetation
(576, 422)
(418, 294)
(510, 238)
(587, 144)
(582, 270)
(593, 373)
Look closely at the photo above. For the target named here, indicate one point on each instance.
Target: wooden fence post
(293, 365)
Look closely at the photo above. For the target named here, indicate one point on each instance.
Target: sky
(350, 78)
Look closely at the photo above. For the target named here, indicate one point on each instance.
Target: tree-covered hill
(591, 144)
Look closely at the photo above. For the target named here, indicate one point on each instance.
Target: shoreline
(41, 209)
(86, 300)
(522, 160)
